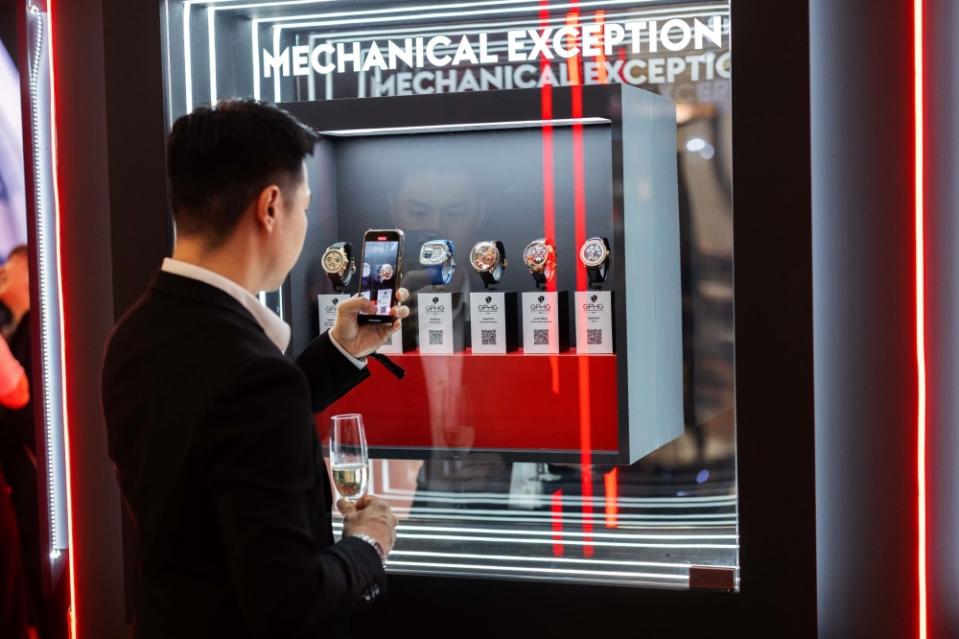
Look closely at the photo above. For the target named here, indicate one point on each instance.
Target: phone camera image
(381, 266)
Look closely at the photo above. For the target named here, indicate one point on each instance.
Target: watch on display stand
(488, 259)
(436, 258)
(494, 315)
(338, 264)
(540, 256)
(594, 307)
(594, 254)
(440, 331)
(545, 313)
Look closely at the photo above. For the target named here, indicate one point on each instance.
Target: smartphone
(381, 261)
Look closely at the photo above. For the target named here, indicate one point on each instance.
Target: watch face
(484, 256)
(536, 254)
(334, 261)
(385, 272)
(593, 252)
(433, 253)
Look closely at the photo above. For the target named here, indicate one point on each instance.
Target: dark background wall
(866, 371)
(85, 205)
(8, 28)
(942, 277)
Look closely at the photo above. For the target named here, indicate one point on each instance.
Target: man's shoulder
(160, 328)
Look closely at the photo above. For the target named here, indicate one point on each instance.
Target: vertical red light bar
(549, 185)
(601, 75)
(579, 155)
(546, 113)
(72, 610)
(556, 508)
(586, 455)
(574, 66)
(918, 89)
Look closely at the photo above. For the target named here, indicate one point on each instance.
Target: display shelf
(541, 404)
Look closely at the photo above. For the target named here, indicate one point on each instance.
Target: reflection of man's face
(445, 202)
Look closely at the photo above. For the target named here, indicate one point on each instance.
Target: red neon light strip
(71, 554)
(920, 318)
(586, 456)
(549, 192)
(601, 75)
(579, 168)
(556, 507)
(546, 113)
(573, 65)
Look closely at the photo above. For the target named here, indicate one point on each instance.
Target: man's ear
(267, 207)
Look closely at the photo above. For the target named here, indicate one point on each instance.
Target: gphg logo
(435, 306)
(331, 307)
(541, 305)
(488, 306)
(593, 304)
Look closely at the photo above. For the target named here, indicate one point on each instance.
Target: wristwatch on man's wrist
(376, 545)
(338, 263)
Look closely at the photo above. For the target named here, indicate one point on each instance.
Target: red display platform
(511, 402)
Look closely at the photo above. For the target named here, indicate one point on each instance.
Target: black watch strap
(597, 274)
(389, 365)
(543, 276)
(495, 274)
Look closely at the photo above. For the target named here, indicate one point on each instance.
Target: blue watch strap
(441, 274)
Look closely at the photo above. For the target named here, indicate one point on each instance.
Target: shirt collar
(275, 328)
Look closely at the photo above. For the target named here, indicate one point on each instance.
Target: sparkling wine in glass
(348, 456)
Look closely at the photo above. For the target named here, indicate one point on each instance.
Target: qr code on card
(594, 336)
(489, 337)
(436, 338)
(540, 337)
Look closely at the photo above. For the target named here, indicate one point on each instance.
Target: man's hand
(361, 340)
(369, 516)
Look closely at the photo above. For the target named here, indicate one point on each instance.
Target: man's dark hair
(220, 158)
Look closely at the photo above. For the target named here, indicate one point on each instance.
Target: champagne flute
(348, 456)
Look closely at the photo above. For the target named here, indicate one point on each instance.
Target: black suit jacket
(212, 435)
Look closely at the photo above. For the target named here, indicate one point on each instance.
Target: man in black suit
(211, 428)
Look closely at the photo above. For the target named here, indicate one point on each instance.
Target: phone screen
(379, 271)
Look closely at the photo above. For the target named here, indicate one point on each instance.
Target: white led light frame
(47, 233)
(476, 126)
(500, 27)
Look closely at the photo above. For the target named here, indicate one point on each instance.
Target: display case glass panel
(567, 412)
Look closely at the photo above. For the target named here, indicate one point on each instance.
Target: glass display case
(570, 418)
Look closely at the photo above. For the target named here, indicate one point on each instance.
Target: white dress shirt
(275, 328)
